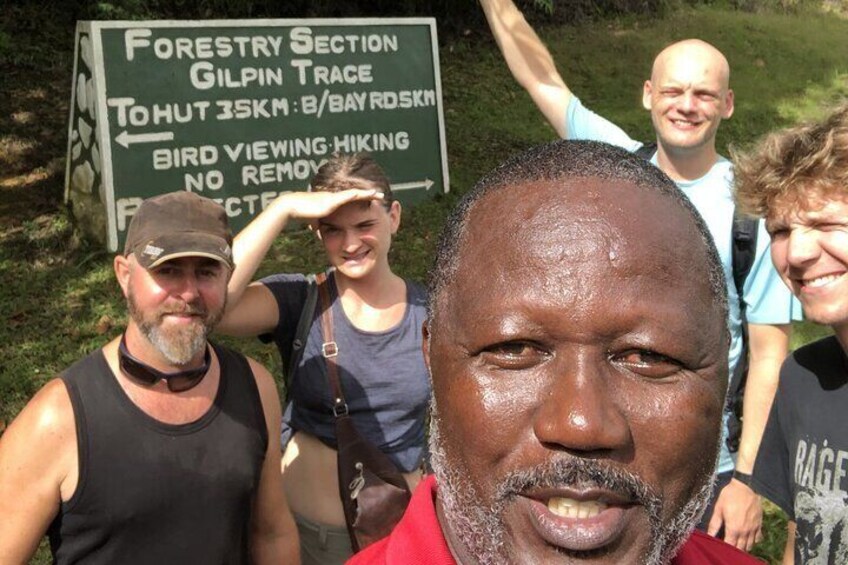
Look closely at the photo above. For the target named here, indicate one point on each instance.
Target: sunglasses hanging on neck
(147, 376)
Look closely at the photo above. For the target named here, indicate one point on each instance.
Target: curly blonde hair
(792, 167)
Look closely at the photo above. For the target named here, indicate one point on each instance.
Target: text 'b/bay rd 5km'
(241, 110)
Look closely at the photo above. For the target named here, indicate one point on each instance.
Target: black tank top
(151, 492)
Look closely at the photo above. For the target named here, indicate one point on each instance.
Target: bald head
(693, 52)
(688, 96)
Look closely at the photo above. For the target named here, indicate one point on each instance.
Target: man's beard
(480, 529)
(179, 345)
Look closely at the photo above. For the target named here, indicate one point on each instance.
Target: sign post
(241, 110)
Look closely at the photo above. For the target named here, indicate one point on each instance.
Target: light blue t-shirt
(768, 300)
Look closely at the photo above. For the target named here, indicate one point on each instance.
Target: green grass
(774, 534)
(58, 298)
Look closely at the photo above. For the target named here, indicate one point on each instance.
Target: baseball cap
(179, 224)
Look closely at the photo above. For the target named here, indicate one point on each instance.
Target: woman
(377, 319)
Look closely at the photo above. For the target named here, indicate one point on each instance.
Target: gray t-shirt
(383, 375)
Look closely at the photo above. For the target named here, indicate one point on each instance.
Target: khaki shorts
(321, 544)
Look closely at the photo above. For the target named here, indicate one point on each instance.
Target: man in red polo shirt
(577, 345)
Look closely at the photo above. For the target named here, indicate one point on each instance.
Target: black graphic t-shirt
(802, 465)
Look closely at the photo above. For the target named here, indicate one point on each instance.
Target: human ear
(647, 91)
(121, 264)
(728, 104)
(394, 216)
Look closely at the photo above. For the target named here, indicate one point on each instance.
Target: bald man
(688, 95)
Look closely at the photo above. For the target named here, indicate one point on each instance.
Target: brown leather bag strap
(329, 348)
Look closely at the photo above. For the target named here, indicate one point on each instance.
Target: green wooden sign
(241, 110)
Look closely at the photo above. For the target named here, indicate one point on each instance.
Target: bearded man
(159, 447)
(577, 346)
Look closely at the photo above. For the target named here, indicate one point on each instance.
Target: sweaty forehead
(548, 230)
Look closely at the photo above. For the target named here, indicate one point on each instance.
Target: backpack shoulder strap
(646, 151)
(304, 324)
(743, 253)
(744, 250)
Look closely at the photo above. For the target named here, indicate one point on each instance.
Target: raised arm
(251, 308)
(274, 537)
(529, 60)
(38, 459)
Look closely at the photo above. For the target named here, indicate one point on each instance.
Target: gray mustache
(583, 474)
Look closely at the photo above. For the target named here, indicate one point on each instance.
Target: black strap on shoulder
(744, 250)
(646, 151)
(743, 253)
(304, 324)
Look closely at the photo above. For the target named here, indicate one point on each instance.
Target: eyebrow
(324, 223)
(700, 86)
